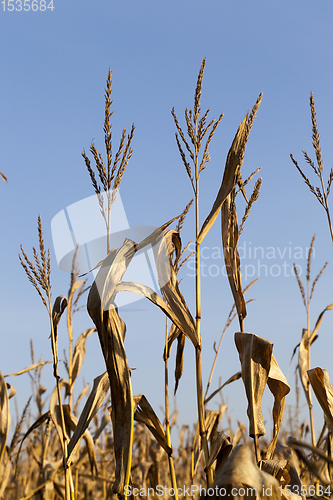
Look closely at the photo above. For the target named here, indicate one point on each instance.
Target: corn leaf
(145, 414)
(241, 469)
(320, 383)
(4, 415)
(279, 387)
(230, 236)
(229, 178)
(255, 357)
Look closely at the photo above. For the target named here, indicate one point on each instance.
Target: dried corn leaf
(145, 414)
(230, 237)
(211, 420)
(94, 402)
(179, 359)
(80, 352)
(304, 361)
(11, 389)
(323, 390)
(55, 415)
(4, 415)
(279, 387)
(5, 473)
(167, 278)
(278, 469)
(238, 434)
(231, 379)
(182, 321)
(81, 395)
(71, 423)
(220, 451)
(241, 469)
(28, 369)
(320, 317)
(173, 335)
(255, 357)
(59, 306)
(229, 178)
(35, 425)
(111, 331)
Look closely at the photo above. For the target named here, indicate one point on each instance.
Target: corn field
(107, 442)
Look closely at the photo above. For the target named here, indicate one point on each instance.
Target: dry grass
(57, 452)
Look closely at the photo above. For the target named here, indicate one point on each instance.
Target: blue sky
(54, 66)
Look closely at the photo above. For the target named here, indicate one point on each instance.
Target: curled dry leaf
(80, 352)
(238, 434)
(231, 379)
(111, 332)
(4, 415)
(211, 420)
(255, 357)
(179, 359)
(55, 417)
(230, 237)
(220, 451)
(320, 383)
(241, 469)
(168, 282)
(59, 306)
(11, 389)
(278, 469)
(145, 414)
(279, 387)
(229, 178)
(304, 361)
(28, 369)
(71, 423)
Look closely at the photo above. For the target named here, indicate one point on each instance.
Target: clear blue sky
(53, 70)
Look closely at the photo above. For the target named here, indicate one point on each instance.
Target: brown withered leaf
(111, 332)
(59, 306)
(231, 379)
(211, 420)
(182, 321)
(279, 387)
(320, 318)
(238, 434)
(230, 237)
(278, 469)
(241, 470)
(145, 414)
(167, 278)
(179, 359)
(35, 425)
(11, 389)
(94, 402)
(4, 415)
(80, 352)
(173, 335)
(71, 423)
(320, 383)
(220, 451)
(55, 416)
(229, 178)
(28, 369)
(303, 361)
(255, 357)
(307, 339)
